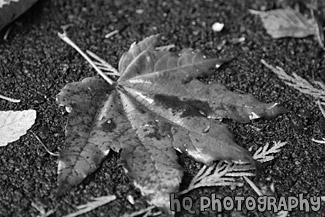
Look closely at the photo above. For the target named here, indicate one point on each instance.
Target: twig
(111, 34)
(319, 141)
(320, 107)
(5, 37)
(166, 47)
(258, 191)
(142, 211)
(9, 99)
(319, 32)
(66, 39)
(46, 149)
(41, 209)
(281, 213)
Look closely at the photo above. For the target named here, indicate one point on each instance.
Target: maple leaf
(156, 106)
(14, 124)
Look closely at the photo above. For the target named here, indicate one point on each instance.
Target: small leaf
(286, 22)
(14, 124)
(11, 9)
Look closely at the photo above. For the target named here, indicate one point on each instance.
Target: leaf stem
(66, 39)
(46, 149)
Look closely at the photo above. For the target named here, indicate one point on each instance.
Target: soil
(35, 64)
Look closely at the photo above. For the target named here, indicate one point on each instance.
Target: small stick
(39, 208)
(259, 193)
(320, 107)
(46, 149)
(319, 141)
(5, 37)
(166, 47)
(9, 99)
(142, 211)
(111, 34)
(66, 39)
(281, 213)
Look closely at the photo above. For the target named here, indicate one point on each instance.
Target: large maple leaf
(157, 106)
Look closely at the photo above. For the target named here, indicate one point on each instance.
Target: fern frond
(265, 154)
(97, 202)
(221, 174)
(299, 83)
(227, 174)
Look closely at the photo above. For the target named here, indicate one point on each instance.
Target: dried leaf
(11, 9)
(286, 22)
(14, 124)
(156, 106)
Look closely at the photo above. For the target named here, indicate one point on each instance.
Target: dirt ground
(35, 64)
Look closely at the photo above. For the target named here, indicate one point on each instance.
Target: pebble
(217, 27)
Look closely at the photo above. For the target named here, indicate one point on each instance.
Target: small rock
(217, 27)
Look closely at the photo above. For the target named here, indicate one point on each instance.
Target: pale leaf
(286, 22)
(14, 124)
